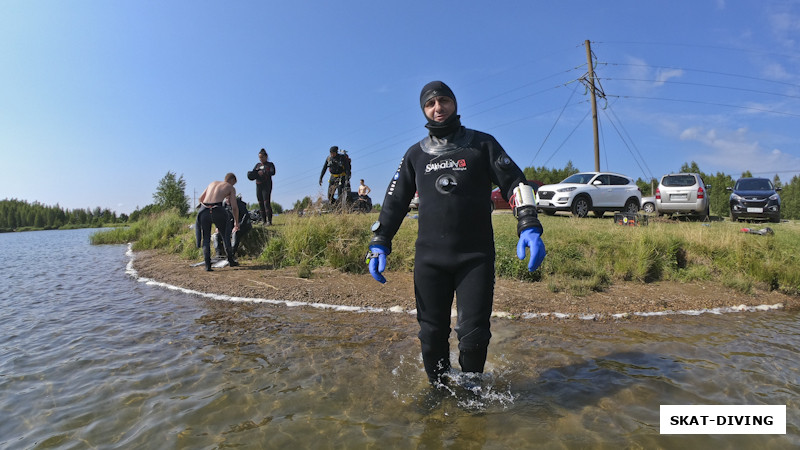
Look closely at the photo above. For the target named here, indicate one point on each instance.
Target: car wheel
(581, 206)
(649, 208)
(632, 206)
(491, 208)
(549, 212)
(734, 218)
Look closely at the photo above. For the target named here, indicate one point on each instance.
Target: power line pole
(594, 106)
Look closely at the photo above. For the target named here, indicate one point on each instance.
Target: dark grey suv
(755, 198)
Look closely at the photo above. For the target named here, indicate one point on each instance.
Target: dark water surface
(92, 358)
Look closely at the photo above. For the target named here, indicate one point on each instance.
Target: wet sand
(626, 300)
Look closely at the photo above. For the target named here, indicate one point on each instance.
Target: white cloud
(775, 71)
(785, 26)
(663, 75)
(638, 69)
(736, 151)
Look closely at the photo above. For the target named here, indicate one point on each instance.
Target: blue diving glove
(376, 259)
(531, 238)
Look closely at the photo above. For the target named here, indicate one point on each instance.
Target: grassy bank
(584, 255)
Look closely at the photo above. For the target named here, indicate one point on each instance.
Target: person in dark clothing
(213, 211)
(262, 173)
(245, 225)
(453, 169)
(338, 165)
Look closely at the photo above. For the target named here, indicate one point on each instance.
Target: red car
(497, 198)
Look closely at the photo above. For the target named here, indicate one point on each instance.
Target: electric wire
(688, 83)
(711, 72)
(403, 137)
(547, 136)
(567, 138)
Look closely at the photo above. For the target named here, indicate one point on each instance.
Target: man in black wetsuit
(337, 164)
(453, 169)
(262, 173)
(245, 225)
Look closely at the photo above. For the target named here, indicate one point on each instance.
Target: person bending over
(212, 211)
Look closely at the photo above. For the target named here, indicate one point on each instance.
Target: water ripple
(89, 357)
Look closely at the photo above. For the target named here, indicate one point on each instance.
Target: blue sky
(100, 99)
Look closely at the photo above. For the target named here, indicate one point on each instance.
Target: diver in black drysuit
(453, 170)
(262, 174)
(245, 225)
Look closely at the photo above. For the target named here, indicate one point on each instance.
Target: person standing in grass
(262, 173)
(337, 164)
(453, 169)
(363, 189)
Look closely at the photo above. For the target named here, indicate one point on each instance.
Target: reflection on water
(91, 358)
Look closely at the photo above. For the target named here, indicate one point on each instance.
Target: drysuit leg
(332, 184)
(268, 201)
(264, 196)
(474, 297)
(260, 197)
(433, 289)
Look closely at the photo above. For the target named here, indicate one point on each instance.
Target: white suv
(598, 192)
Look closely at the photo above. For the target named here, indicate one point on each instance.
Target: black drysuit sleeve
(507, 175)
(395, 205)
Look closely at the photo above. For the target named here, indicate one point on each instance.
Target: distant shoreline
(331, 289)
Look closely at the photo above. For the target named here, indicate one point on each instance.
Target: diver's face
(439, 108)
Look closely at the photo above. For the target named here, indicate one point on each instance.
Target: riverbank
(512, 298)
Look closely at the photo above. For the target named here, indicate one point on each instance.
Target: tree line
(717, 193)
(17, 214)
(171, 194)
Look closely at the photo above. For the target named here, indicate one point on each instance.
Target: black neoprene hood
(436, 89)
(453, 123)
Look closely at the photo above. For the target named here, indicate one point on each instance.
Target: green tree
(647, 187)
(550, 176)
(171, 193)
(790, 199)
(301, 205)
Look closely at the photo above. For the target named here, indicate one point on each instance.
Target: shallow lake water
(91, 357)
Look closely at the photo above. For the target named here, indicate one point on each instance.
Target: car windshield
(678, 180)
(754, 185)
(579, 178)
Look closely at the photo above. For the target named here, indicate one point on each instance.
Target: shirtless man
(363, 189)
(212, 211)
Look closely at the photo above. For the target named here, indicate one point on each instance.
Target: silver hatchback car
(682, 193)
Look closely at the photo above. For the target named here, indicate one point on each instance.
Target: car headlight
(567, 189)
(774, 197)
(736, 198)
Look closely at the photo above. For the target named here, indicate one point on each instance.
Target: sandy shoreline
(627, 300)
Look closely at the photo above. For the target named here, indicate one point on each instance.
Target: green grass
(583, 255)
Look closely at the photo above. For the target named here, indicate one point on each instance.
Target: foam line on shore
(129, 270)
